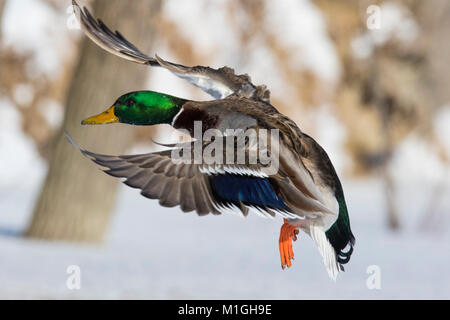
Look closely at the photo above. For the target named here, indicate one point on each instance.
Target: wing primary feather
(219, 83)
(137, 181)
(184, 185)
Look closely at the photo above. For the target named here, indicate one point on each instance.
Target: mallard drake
(304, 190)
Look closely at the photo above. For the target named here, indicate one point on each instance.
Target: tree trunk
(77, 199)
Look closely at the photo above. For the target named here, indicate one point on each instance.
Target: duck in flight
(304, 190)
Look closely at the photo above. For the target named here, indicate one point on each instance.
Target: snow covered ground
(157, 253)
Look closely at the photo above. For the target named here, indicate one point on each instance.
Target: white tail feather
(326, 250)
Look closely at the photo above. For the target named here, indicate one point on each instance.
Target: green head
(140, 108)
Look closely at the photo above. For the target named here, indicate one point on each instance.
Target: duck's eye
(130, 102)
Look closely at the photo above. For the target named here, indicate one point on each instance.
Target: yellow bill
(103, 118)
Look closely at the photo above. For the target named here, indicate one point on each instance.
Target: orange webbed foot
(287, 234)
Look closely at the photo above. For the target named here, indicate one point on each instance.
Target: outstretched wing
(204, 188)
(219, 83)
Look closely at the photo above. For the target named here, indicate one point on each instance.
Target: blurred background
(369, 80)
